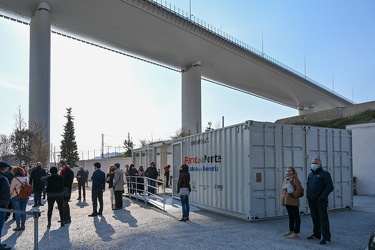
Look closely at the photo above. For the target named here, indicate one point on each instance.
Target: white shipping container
(239, 170)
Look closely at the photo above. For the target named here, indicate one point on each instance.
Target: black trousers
(319, 215)
(97, 195)
(81, 186)
(118, 199)
(66, 208)
(294, 218)
(60, 204)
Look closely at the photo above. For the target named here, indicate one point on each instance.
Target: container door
(273, 148)
(264, 177)
(333, 147)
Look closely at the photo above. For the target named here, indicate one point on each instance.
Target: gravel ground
(141, 226)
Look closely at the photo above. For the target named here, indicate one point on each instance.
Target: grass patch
(367, 116)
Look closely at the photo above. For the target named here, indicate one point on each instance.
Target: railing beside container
(133, 189)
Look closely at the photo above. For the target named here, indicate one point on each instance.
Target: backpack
(26, 190)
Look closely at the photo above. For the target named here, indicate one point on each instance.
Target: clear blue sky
(335, 39)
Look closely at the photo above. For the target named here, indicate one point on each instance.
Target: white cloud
(14, 83)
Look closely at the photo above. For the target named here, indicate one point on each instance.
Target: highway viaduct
(157, 33)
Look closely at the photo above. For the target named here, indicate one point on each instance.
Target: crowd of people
(58, 187)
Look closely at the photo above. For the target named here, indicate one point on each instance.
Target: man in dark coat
(97, 189)
(81, 179)
(10, 177)
(152, 174)
(319, 186)
(37, 183)
(68, 176)
(4, 197)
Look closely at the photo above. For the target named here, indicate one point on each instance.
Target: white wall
(363, 150)
(105, 162)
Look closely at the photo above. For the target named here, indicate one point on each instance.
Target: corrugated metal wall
(239, 170)
(219, 170)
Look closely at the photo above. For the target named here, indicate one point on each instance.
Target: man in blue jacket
(319, 186)
(97, 189)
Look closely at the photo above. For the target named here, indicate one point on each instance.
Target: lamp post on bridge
(190, 15)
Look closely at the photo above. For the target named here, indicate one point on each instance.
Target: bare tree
(209, 127)
(217, 125)
(145, 142)
(183, 132)
(21, 139)
(5, 147)
(39, 144)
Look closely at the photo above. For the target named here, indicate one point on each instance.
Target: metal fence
(147, 189)
(35, 214)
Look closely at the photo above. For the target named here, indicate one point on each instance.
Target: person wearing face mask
(290, 193)
(319, 186)
(184, 189)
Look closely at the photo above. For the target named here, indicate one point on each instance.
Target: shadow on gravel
(103, 229)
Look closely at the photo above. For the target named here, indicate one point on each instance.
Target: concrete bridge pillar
(191, 98)
(40, 70)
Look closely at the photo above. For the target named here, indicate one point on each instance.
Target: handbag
(184, 191)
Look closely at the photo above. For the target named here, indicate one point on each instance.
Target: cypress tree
(69, 150)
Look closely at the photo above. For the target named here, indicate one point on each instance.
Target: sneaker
(313, 237)
(287, 233)
(325, 242)
(182, 219)
(93, 215)
(293, 235)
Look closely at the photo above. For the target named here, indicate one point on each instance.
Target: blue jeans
(185, 206)
(20, 204)
(151, 186)
(37, 198)
(2, 221)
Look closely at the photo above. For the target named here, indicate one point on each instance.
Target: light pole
(190, 15)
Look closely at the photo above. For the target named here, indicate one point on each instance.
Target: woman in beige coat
(290, 193)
